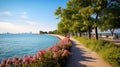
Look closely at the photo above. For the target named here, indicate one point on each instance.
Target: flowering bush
(54, 56)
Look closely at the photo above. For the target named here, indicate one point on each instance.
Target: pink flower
(65, 53)
(15, 59)
(20, 60)
(31, 59)
(25, 56)
(26, 59)
(38, 55)
(35, 57)
(58, 49)
(51, 48)
(3, 62)
(55, 49)
(9, 60)
(55, 55)
(41, 52)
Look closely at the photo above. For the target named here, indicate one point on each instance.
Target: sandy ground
(83, 57)
(59, 36)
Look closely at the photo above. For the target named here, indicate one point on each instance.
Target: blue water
(24, 44)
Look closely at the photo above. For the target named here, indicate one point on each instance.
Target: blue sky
(20, 16)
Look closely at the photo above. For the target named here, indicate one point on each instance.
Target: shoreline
(26, 59)
(58, 36)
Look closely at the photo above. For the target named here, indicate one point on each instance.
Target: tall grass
(107, 50)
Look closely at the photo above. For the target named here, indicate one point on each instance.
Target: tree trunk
(112, 31)
(96, 33)
(89, 32)
(72, 33)
(96, 30)
(80, 34)
(76, 34)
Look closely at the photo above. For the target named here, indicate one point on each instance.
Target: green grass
(107, 50)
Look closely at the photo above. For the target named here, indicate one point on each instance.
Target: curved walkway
(84, 57)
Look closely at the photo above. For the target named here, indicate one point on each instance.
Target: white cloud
(33, 23)
(10, 27)
(27, 26)
(24, 15)
(40, 26)
(8, 13)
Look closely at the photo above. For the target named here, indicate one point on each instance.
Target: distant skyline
(21, 16)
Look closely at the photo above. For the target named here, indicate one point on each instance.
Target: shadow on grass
(77, 56)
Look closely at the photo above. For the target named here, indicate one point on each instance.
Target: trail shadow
(77, 56)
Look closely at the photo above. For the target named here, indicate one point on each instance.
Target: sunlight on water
(23, 44)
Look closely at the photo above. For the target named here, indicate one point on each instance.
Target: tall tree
(87, 19)
(79, 12)
(99, 6)
(82, 11)
(110, 19)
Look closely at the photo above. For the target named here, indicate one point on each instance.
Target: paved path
(84, 57)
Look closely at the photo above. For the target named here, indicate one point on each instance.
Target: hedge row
(107, 50)
(54, 56)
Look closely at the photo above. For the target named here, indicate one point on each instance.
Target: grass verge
(107, 50)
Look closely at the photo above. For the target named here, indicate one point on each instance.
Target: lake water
(24, 44)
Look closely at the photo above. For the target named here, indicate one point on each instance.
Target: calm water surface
(24, 44)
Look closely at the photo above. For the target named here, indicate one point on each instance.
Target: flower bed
(54, 56)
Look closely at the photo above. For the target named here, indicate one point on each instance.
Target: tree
(73, 12)
(99, 6)
(87, 19)
(110, 19)
(58, 12)
(42, 32)
(65, 23)
(63, 27)
(53, 32)
(77, 16)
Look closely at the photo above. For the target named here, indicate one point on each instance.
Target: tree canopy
(77, 18)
